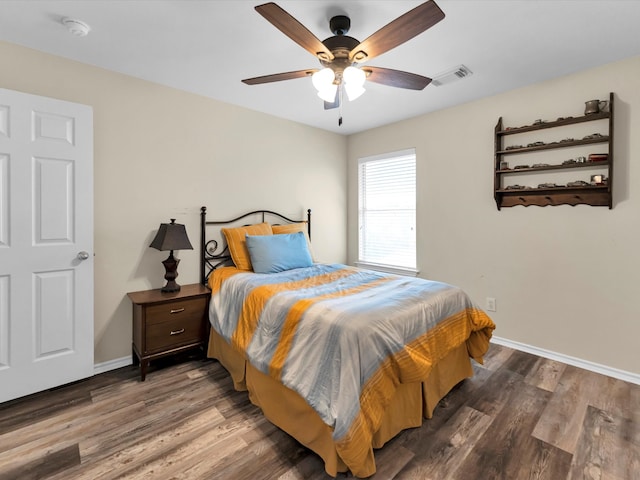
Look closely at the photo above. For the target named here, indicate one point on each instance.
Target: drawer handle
(176, 310)
(177, 332)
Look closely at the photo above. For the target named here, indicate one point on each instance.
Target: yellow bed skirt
(286, 409)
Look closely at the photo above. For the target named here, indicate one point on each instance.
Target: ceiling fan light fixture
(354, 76)
(354, 79)
(323, 78)
(328, 94)
(353, 92)
(323, 81)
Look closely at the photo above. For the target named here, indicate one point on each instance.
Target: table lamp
(171, 236)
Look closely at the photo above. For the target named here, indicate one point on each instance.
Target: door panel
(54, 194)
(4, 322)
(53, 332)
(46, 218)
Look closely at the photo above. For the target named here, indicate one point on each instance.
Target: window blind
(387, 210)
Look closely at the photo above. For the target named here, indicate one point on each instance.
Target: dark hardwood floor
(520, 417)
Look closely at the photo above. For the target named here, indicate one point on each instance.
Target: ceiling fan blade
(395, 33)
(293, 29)
(396, 78)
(278, 77)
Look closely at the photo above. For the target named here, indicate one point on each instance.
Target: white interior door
(46, 243)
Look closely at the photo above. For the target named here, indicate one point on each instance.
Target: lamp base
(171, 272)
(170, 287)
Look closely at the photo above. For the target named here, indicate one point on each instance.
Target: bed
(341, 358)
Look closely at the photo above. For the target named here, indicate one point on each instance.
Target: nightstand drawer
(176, 332)
(187, 309)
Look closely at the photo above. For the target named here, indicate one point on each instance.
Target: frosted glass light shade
(354, 76)
(354, 79)
(323, 81)
(328, 94)
(323, 78)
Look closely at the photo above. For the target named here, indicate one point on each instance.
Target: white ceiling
(208, 46)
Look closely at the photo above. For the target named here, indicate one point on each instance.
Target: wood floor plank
(310, 467)
(217, 441)
(609, 447)
(64, 435)
(148, 449)
(496, 356)
(561, 422)
(522, 363)
(58, 460)
(448, 447)
(494, 455)
(546, 375)
(123, 432)
(39, 407)
(391, 460)
(496, 391)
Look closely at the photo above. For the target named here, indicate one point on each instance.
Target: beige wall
(566, 279)
(161, 153)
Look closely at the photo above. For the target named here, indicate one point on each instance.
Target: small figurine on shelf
(577, 183)
(594, 106)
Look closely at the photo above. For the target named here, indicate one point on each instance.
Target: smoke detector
(76, 27)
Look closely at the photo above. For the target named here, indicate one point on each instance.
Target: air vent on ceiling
(450, 76)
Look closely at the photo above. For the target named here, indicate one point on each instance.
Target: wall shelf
(593, 194)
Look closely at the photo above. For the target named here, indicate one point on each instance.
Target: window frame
(397, 269)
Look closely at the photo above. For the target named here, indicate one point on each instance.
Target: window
(387, 212)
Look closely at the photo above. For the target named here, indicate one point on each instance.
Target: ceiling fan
(341, 55)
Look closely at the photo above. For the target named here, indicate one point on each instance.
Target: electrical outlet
(491, 304)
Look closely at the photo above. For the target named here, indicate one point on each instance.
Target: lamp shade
(171, 236)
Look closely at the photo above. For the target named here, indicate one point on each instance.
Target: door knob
(82, 255)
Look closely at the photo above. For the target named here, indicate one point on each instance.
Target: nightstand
(168, 323)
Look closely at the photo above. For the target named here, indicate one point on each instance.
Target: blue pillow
(277, 253)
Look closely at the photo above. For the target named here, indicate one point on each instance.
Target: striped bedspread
(343, 338)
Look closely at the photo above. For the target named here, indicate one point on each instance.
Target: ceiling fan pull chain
(340, 105)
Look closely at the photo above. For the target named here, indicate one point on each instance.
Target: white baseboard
(111, 365)
(541, 352)
(576, 362)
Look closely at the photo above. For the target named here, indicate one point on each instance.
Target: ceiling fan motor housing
(340, 46)
(340, 24)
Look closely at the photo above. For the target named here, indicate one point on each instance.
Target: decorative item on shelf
(513, 147)
(171, 236)
(535, 144)
(518, 167)
(559, 119)
(539, 121)
(594, 106)
(592, 136)
(504, 165)
(565, 140)
(515, 187)
(577, 183)
(549, 185)
(540, 165)
(598, 157)
(581, 159)
(598, 180)
(571, 161)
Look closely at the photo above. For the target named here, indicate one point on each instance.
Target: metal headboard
(211, 258)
